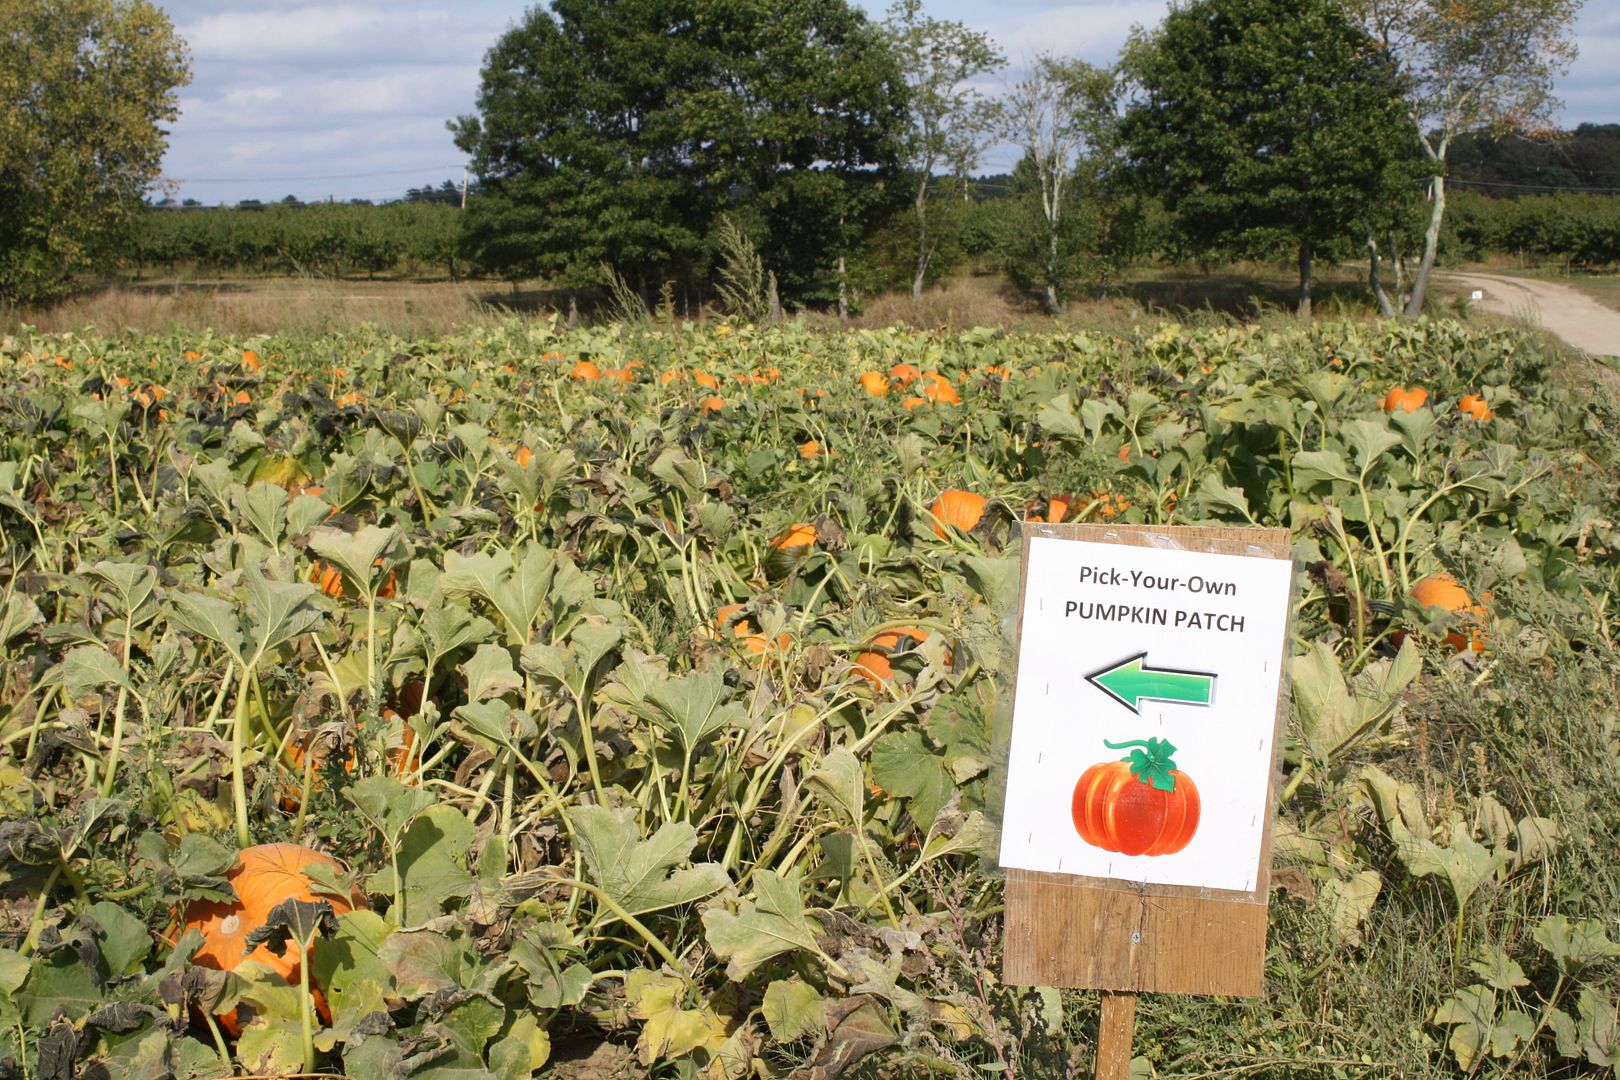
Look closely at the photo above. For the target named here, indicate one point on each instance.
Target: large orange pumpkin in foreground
(961, 509)
(1442, 591)
(263, 877)
(1140, 805)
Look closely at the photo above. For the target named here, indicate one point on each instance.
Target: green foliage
(1268, 126)
(86, 84)
(585, 801)
(621, 134)
(1570, 230)
(411, 237)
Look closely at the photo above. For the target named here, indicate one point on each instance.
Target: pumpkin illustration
(1442, 591)
(875, 663)
(1400, 399)
(1474, 405)
(262, 877)
(958, 509)
(1139, 805)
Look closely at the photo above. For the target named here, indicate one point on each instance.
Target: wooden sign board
(1145, 638)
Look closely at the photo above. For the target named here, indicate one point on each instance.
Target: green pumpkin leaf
(90, 667)
(643, 875)
(690, 708)
(1575, 945)
(772, 924)
(793, 1009)
(903, 765)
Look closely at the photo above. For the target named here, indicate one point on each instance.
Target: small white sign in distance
(1151, 648)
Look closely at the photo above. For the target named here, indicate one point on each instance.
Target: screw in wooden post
(1114, 1036)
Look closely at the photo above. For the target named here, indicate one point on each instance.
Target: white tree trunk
(1375, 279)
(1431, 244)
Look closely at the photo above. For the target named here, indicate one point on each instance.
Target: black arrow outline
(1142, 656)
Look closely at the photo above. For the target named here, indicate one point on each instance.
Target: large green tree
(1267, 125)
(617, 132)
(86, 84)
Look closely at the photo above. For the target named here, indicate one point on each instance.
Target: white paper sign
(1149, 647)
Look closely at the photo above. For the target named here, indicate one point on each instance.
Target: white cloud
(291, 88)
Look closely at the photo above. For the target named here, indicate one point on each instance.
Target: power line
(1584, 190)
(302, 179)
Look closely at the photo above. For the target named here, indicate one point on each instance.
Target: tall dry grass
(1147, 296)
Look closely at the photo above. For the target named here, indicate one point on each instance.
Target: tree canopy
(86, 84)
(1266, 124)
(619, 133)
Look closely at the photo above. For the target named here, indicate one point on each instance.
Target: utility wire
(1589, 189)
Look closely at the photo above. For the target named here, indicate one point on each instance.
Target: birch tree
(1471, 66)
(948, 117)
(1060, 111)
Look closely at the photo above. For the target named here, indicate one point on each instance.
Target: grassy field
(316, 305)
(648, 695)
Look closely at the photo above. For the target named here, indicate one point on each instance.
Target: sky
(349, 99)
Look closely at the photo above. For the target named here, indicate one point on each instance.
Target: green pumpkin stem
(1152, 764)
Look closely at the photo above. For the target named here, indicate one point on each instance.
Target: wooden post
(1114, 1036)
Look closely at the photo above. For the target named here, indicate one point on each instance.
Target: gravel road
(1559, 309)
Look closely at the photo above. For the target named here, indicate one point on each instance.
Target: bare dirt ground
(1577, 319)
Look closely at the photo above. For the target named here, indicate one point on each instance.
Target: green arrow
(1131, 682)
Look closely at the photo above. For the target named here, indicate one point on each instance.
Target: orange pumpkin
(1442, 591)
(330, 579)
(744, 628)
(810, 449)
(938, 389)
(1400, 399)
(875, 663)
(912, 403)
(905, 374)
(713, 403)
(957, 508)
(1474, 405)
(1142, 805)
(585, 370)
(874, 383)
(705, 380)
(800, 534)
(262, 877)
(1058, 507)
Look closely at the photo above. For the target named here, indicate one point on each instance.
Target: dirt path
(1577, 319)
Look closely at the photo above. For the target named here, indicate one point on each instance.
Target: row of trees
(1576, 230)
(623, 135)
(320, 238)
(622, 141)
